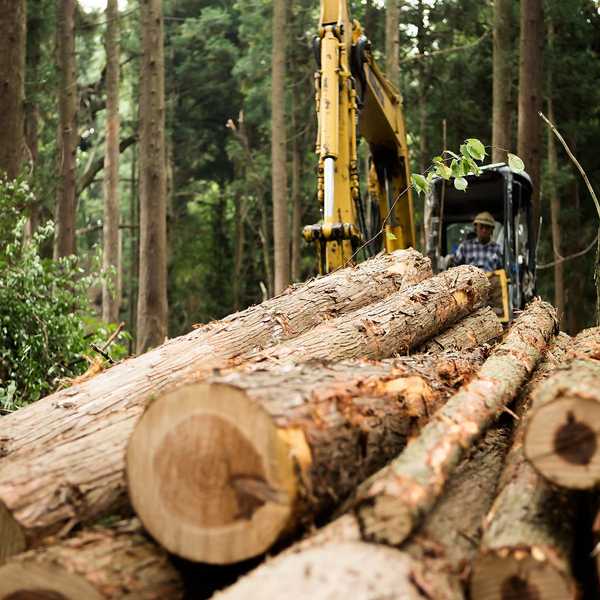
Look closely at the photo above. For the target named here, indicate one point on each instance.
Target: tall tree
(111, 292)
(502, 79)
(152, 296)
(392, 42)
(12, 90)
(531, 89)
(281, 235)
(64, 243)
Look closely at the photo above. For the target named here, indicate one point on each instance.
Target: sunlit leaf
(390, 236)
(460, 183)
(476, 149)
(515, 163)
(419, 182)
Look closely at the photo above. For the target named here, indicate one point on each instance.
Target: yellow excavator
(353, 96)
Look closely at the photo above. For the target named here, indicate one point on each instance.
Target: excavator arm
(352, 95)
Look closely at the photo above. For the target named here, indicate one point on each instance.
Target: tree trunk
(335, 563)
(281, 238)
(274, 449)
(68, 138)
(393, 502)
(529, 133)
(111, 292)
(502, 80)
(13, 22)
(528, 533)
(98, 564)
(394, 325)
(422, 89)
(296, 201)
(56, 430)
(561, 440)
(392, 43)
(152, 295)
(478, 328)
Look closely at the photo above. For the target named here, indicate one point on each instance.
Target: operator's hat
(485, 218)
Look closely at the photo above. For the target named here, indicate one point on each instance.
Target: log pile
(375, 431)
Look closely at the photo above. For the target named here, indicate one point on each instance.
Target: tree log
(392, 503)
(220, 470)
(561, 440)
(478, 328)
(63, 456)
(98, 564)
(395, 325)
(335, 563)
(528, 533)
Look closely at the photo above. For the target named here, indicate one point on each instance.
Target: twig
(113, 337)
(102, 353)
(570, 257)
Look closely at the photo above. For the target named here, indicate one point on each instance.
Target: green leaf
(514, 162)
(438, 159)
(464, 151)
(419, 182)
(476, 149)
(390, 236)
(452, 154)
(460, 183)
(456, 168)
(443, 170)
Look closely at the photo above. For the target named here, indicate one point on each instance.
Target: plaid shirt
(486, 256)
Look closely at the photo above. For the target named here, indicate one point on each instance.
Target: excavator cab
(506, 194)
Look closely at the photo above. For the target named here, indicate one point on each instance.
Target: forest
(158, 158)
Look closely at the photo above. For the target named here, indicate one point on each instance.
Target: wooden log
(562, 437)
(63, 456)
(393, 502)
(395, 325)
(335, 563)
(220, 470)
(98, 564)
(481, 327)
(528, 533)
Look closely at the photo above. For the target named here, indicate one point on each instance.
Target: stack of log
(374, 431)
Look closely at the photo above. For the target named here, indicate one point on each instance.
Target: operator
(480, 251)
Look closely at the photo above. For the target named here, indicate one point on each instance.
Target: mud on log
(63, 456)
(481, 327)
(107, 563)
(528, 533)
(220, 470)
(562, 438)
(393, 502)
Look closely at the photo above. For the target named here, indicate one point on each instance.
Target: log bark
(561, 440)
(528, 533)
(220, 470)
(392, 503)
(335, 563)
(52, 449)
(395, 325)
(98, 564)
(478, 328)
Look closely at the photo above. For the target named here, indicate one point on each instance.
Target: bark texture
(220, 470)
(12, 85)
(48, 456)
(111, 290)
(281, 240)
(561, 440)
(98, 564)
(392, 503)
(152, 294)
(68, 137)
(502, 80)
(478, 328)
(392, 42)
(394, 325)
(430, 565)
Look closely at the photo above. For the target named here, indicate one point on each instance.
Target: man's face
(484, 232)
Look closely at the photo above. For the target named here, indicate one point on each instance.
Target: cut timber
(99, 564)
(395, 325)
(64, 456)
(220, 470)
(478, 328)
(392, 503)
(335, 564)
(528, 533)
(562, 437)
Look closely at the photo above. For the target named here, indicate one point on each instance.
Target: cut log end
(513, 574)
(562, 442)
(43, 582)
(11, 534)
(385, 520)
(225, 498)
